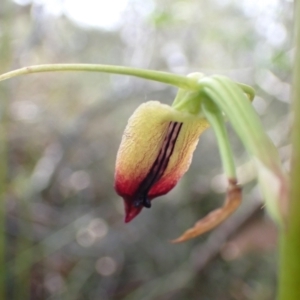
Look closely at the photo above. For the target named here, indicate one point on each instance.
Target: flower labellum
(156, 150)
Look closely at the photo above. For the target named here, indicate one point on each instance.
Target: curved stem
(243, 118)
(232, 101)
(164, 77)
(216, 120)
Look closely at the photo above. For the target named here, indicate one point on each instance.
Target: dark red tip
(131, 211)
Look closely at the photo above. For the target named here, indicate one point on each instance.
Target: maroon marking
(159, 166)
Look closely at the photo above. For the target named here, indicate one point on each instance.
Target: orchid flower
(159, 141)
(156, 150)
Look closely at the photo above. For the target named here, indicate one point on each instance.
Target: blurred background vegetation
(64, 232)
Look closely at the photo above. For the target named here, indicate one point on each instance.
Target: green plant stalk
(216, 120)
(230, 99)
(289, 268)
(191, 101)
(164, 77)
(184, 82)
(6, 58)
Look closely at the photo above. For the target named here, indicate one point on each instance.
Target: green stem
(6, 58)
(289, 270)
(216, 120)
(164, 77)
(184, 82)
(230, 98)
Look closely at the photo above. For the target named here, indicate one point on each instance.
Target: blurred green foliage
(65, 236)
